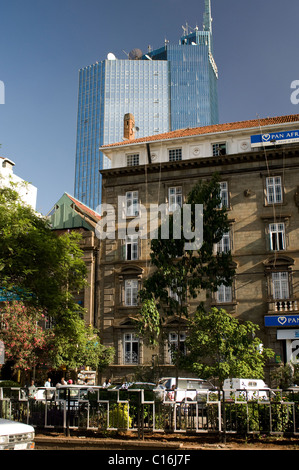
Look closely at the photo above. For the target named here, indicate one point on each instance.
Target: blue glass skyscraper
(167, 89)
(107, 91)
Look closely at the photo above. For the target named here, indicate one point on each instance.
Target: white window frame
(224, 294)
(277, 236)
(280, 285)
(224, 246)
(175, 295)
(274, 190)
(131, 247)
(173, 340)
(131, 292)
(175, 154)
(224, 196)
(132, 204)
(218, 147)
(175, 198)
(133, 159)
(131, 348)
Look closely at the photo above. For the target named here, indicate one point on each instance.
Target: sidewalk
(161, 443)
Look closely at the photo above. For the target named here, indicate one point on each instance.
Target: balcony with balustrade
(282, 306)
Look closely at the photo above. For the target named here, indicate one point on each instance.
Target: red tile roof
(210, 129)
(85, 209)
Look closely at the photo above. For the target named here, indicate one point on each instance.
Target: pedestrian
(107, 383)
(171, 393)
(171, 397)
(62, 382)
(32, 389)
(48, 383)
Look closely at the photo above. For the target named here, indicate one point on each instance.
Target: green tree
(36, 265)
(181, 274)
(285, 375)
(221, 347)
(75, 345)
(24, 340)
(44, 271)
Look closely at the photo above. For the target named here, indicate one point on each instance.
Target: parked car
(142, 386)
(246, 388)
(133, 385)
(16, 436)
(44, 393)
(188, 389)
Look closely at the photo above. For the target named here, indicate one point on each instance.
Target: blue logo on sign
(283, 320)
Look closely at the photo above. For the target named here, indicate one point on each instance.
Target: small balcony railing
(283, 305)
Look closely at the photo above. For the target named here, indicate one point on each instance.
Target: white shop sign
(287, 334)
(291, 338)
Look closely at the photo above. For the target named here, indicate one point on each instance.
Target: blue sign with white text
(282, 320)
(286, 137)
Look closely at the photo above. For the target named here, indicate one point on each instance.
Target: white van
(187, 389)
(253, 389)
(16, 436)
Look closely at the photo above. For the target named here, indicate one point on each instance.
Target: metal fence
(96, 408)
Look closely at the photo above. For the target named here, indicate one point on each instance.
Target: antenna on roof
(135, 54)
(186, 29)
(207, 17)
(111, 56)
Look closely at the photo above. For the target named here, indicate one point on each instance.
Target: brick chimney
(129, 126)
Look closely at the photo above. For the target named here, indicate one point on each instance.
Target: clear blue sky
(44, 43)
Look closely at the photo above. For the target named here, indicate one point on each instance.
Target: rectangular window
(131, 292)
(219, 149)
(175, 291)
(47, 322)
(224, 245)
(131, 248)
(175, 154)
(131, 348)
(280, 284)
(175, 343)
(133, 160)
(175, 199)
(224, 294)
(132, 204)
(274, 190)
(277, 236)
(224, 194)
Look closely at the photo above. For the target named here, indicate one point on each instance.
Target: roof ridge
(189, 131)
(82, 205)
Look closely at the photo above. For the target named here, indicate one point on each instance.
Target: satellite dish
(111, 56)
(135, 54)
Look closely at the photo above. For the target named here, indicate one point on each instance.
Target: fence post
(140, 422)
(67, 431)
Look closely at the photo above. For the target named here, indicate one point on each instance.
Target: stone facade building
(69, 214)
(258, 164)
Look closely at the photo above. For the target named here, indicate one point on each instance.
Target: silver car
(16, 436)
